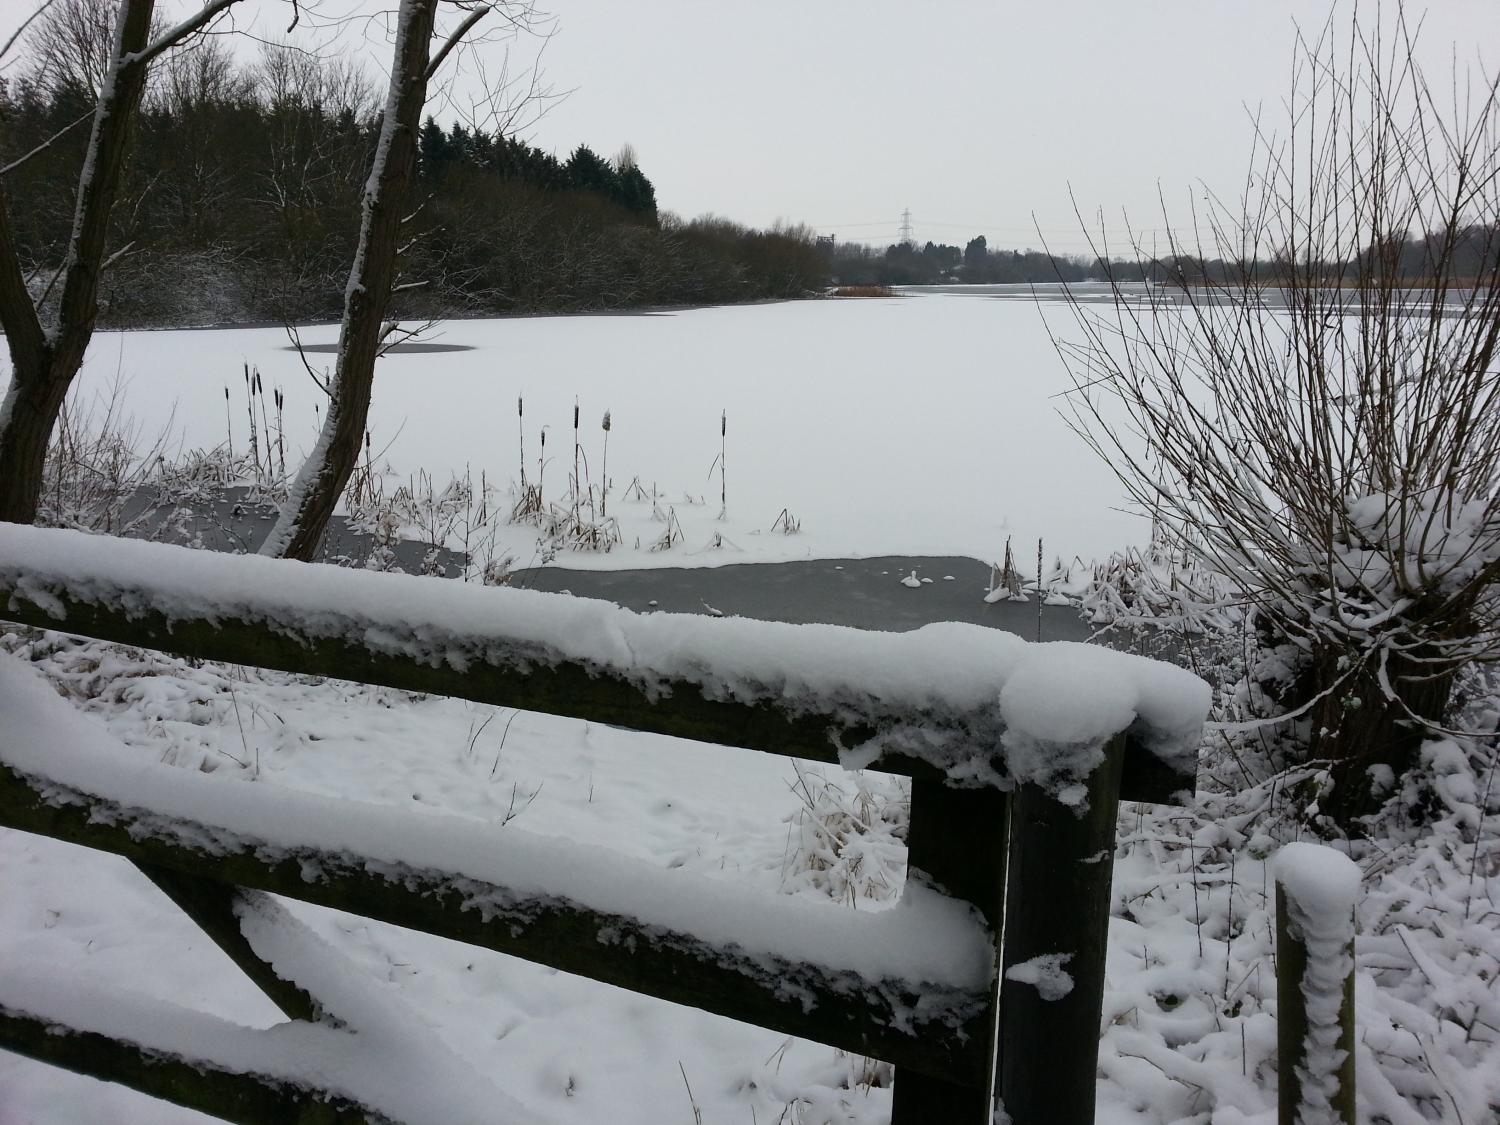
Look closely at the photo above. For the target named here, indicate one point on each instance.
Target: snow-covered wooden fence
(986, 980)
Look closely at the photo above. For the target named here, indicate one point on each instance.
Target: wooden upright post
(1332, 1096)
(1056, 921)
(957, 841)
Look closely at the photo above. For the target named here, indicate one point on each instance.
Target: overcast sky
(978, 116)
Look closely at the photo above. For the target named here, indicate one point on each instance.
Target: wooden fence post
(1315, 983)
(1056, 922)
(956, 839)
(210, 904)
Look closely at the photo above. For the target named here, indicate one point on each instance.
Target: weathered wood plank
(938, 1032)
(196, 1083)
(1057, 903)
(677, 709)
(957, 841)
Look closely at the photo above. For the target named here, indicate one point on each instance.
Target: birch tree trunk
(45, 359)
(327, 469)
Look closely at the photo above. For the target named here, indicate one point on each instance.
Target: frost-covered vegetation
(1328, 439)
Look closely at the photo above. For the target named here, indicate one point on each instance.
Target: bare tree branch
(177, 34)
(45, 145)
(457, 37)
(15, 36)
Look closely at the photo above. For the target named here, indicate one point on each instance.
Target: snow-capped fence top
(1018, 754)
(1317, 890)
(982, 706)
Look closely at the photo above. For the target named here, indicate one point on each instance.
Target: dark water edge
(863, 593)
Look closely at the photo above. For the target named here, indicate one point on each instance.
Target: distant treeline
(936, 264)
(1410, 260)
(1468, 253)
(241, 203)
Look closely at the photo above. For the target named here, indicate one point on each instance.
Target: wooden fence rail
(1036, 871)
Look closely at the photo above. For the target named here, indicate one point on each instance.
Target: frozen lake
(925, 424)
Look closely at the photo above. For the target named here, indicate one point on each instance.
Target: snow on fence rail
(1018, 754)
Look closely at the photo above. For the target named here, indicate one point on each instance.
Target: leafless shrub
(97, 463)
(1320, 422)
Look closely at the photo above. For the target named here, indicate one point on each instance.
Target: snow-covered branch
(177, 33)
(456, 38)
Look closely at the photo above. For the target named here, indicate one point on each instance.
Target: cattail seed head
(606, 421)
(520, 407)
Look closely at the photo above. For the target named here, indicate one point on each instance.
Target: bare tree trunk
(44, 360)
(1370, 726)
(327, 469)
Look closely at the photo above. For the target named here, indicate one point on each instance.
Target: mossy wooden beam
(1057, 905)
(932, 1031)
(957, 840)
(197, 1083)
(678, 709)
(674, 708)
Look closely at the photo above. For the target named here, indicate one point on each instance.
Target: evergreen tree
(636, 193)
(433, 151)
(586, 170)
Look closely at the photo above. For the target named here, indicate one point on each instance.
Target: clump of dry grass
(786, 523)
(671, 535)
(848, 838)
(1007, 576)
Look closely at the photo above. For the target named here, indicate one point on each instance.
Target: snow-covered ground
(1189, 1027)
(916, 425)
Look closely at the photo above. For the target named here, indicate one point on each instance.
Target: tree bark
(1359, 728)
(44, 361)
(321, 481)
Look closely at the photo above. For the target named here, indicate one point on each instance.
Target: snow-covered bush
(1160, 587)
(1316, 414)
